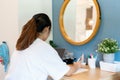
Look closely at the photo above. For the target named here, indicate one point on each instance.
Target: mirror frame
(61, 24)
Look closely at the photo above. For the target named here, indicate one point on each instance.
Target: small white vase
(108, 58)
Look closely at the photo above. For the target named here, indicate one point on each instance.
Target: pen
(91, 56)
(78, 59)
(96, 56)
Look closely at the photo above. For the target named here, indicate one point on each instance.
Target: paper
(106, 78)
(80, 70)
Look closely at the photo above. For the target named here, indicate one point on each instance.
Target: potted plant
(52, 44)
(108, 47)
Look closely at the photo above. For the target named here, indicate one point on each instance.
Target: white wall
(8, 25)
(12, 18)
(27, 8)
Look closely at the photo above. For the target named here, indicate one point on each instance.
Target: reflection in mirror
(79, 20)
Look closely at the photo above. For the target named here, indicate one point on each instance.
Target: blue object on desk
(4, 54)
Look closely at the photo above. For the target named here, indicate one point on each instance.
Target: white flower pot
(108, 57)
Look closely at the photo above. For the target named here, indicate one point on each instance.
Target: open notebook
(78, 71)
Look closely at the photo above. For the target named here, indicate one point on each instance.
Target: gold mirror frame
(61, 23)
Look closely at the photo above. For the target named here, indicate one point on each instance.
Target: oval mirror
(79, 20)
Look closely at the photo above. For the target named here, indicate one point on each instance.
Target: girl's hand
(79, 64)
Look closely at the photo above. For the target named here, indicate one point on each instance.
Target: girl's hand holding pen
(80, 64)
(81, 60)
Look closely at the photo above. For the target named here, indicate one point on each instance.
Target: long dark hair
(32, 29)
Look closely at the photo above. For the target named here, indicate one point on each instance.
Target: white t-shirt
(36, 62)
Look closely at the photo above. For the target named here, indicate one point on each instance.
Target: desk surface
(92, 74)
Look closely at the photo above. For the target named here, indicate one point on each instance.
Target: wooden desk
(91, 74)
